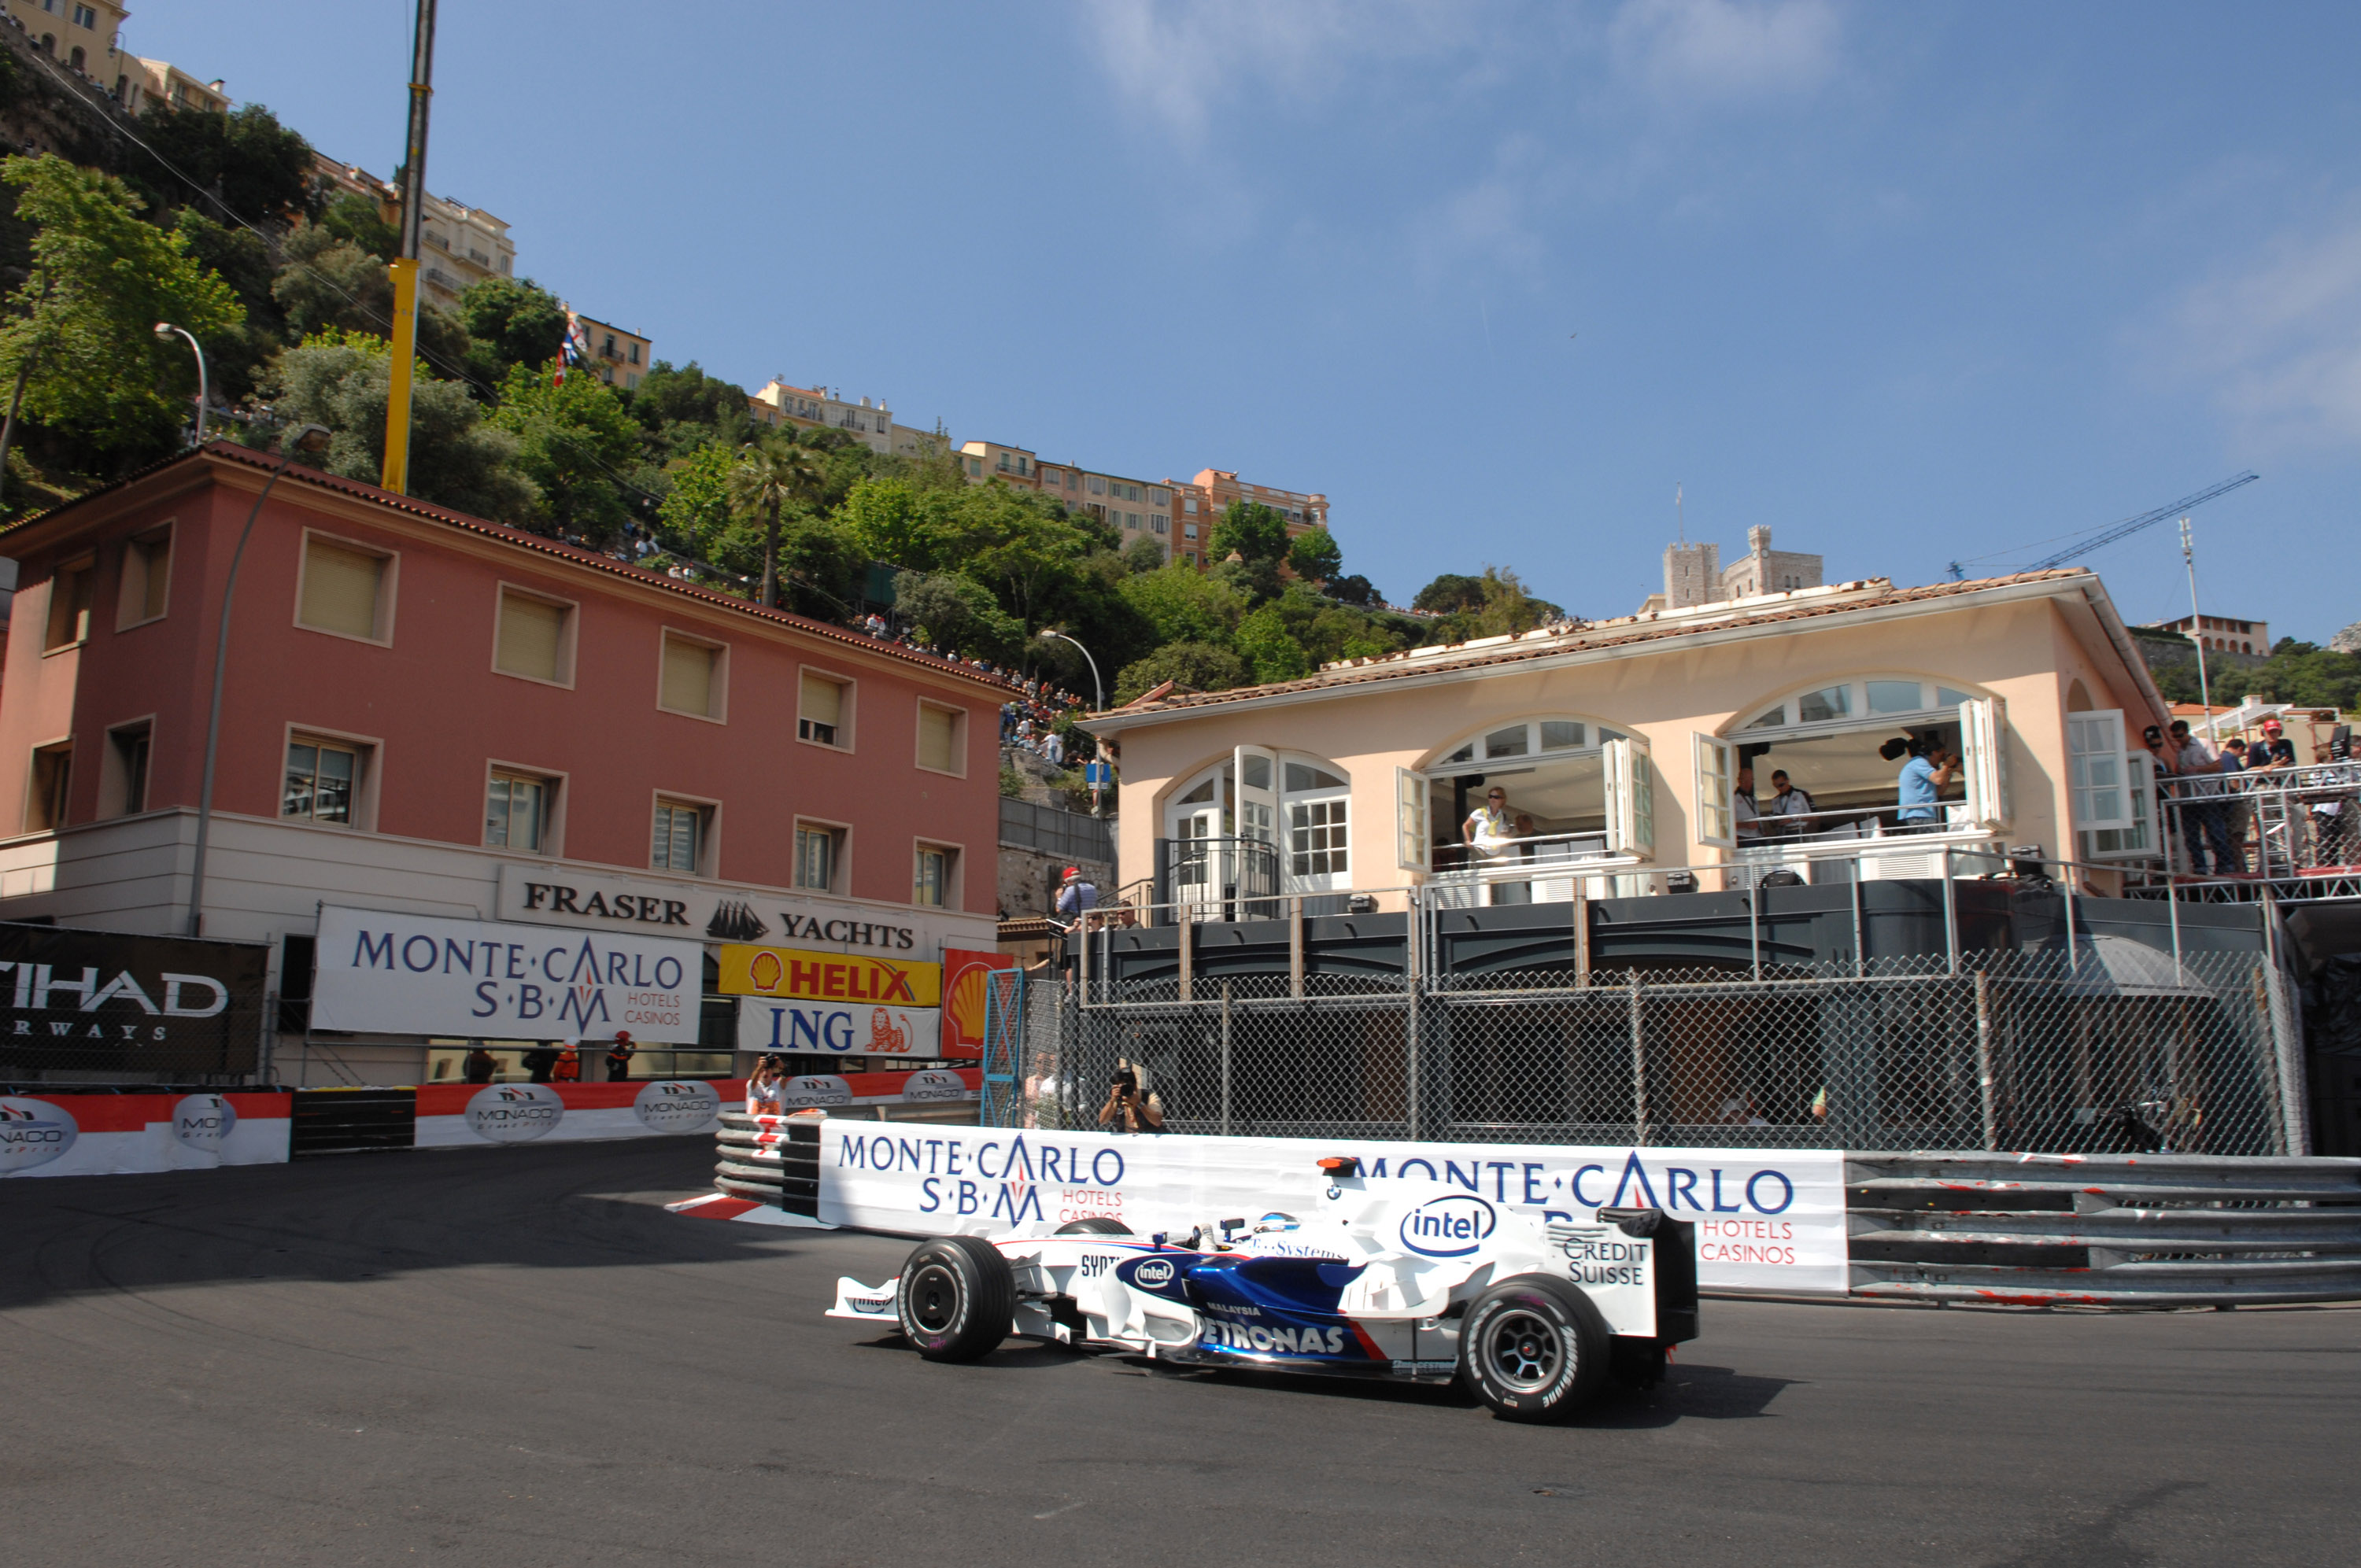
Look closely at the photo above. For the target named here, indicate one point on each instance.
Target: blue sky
(1908, 284)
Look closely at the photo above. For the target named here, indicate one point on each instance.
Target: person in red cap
(1076, 894)
(619, 1058)
(2274, 750)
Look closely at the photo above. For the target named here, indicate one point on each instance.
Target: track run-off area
(516, 1355)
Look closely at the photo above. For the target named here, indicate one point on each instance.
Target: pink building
(430, 713)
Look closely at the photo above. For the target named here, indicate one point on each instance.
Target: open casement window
(1410, 808)
(1256, 794)
(1983, 757)
(1631, 798)
(2098, 771)
(1716, 787)
(2143, 833)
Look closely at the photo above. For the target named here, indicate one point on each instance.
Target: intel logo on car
(1151, 1274)
(1448, 1227)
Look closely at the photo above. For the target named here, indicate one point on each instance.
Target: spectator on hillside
(1053, 747)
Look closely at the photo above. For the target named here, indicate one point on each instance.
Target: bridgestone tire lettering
(957, 1298)
(1534, 1349)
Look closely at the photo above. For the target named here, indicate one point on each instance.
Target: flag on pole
(574, 349)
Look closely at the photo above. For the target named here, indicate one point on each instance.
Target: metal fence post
(2172, 911)
(1639, 1067)
(1581, 938)
(1187, 936)
(1414, 998)
(1859, 956)
(1984, 1057)
(1950, 914)
(1294, 950)
(1754, 928)
(1225, 1058)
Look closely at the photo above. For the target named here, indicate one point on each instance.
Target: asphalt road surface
(517, 1356)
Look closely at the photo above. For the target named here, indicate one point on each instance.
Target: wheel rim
(934, 1298)
(1523, 1350)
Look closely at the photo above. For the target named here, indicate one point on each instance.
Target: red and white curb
(721, 1206)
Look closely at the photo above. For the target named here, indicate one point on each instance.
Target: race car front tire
(957, 1299)
(1096, 1225)
(1534, 1348)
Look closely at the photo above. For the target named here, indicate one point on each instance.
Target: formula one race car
(1412, 1282)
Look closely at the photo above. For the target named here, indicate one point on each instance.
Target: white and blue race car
(1406, 1280)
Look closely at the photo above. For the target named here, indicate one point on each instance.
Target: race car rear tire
(1534, 1349)
(1096, 1225)
(957, 1299)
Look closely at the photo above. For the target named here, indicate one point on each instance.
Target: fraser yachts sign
(557, 895)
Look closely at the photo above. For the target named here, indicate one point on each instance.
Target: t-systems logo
(204, 1121)
(1451, 1226)
(934, 1083)
(32, 1133)
(676, 1106)
(515, 1113)
(814, 1089)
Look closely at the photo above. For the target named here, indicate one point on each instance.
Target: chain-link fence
(2109, 1047)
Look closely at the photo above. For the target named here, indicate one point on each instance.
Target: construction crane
(2129, 527)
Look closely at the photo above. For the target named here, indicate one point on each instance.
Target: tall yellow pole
(396, 476)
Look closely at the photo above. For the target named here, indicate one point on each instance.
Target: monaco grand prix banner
(115, 1134)
(1771, 1220)
(384, 973)
(462, 1116)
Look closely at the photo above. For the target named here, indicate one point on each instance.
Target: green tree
(1183, 605)
(82, 329)
(1199, 666)
(1145, 553)
(1251, 529)
(696, 506)
(511, 322)
(327, 284)
(1355, 590)
(235, 356)
(1315, 555)
(1449, 592)
(573, 441)
(893, 520)
(243, 163)
(1267, 648)
(354, 218)
(958, 613)
(679, 410)
(769, 476)
(456, 460)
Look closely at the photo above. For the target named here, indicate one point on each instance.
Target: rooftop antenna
(2196, 627)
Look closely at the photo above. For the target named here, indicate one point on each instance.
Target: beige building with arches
(1620, 747)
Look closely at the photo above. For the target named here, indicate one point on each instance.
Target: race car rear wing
(1675, 1270)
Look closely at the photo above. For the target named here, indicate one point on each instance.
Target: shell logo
(766, 972)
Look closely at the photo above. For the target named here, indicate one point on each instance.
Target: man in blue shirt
(1077, 894)
(1924, 777)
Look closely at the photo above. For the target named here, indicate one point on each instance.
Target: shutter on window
(1984, 736)
(938, 730)
(823, 700)
(687, 677)
(340, 588)
(531, 638)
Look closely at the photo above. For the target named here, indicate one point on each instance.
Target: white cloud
(2280, 339)
(1180, 57)
(1491, 221)
(1718, 51)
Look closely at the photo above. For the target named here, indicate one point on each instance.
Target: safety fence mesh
(2052, 1052)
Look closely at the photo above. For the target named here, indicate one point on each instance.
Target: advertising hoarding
(383, 973)
(856, 1028)
(164, 1007)
(829, 977)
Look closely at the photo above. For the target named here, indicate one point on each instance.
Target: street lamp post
(1051, 635)
(304, 438)
(166, 331)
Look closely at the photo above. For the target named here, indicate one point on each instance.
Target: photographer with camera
(1128, 1111)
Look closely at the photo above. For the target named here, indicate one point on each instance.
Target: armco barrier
(2019, 1230)
(2103, 1230)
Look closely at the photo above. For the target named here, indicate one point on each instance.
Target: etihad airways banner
(381, 973)
(1771, 1220)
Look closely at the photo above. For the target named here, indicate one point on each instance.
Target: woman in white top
(764, 1090)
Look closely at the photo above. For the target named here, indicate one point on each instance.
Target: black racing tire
(1096, 1225)
(1534, 1348)
(957, 1298)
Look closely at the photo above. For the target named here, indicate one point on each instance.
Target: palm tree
(769, 475)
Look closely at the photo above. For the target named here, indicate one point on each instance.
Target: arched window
(1570, 789)
(75, 59)
(1827, 742)
(1264, 821)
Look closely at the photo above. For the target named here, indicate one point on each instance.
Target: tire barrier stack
(2103, 1230)
(771, 1160)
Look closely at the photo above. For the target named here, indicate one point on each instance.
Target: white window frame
(1631, 798)
(368, 768)
(839, 881)
(1413, 842)
(1983, 755)
(954, 868)
(388, 583)
(2098, 777)
(1716, 763)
